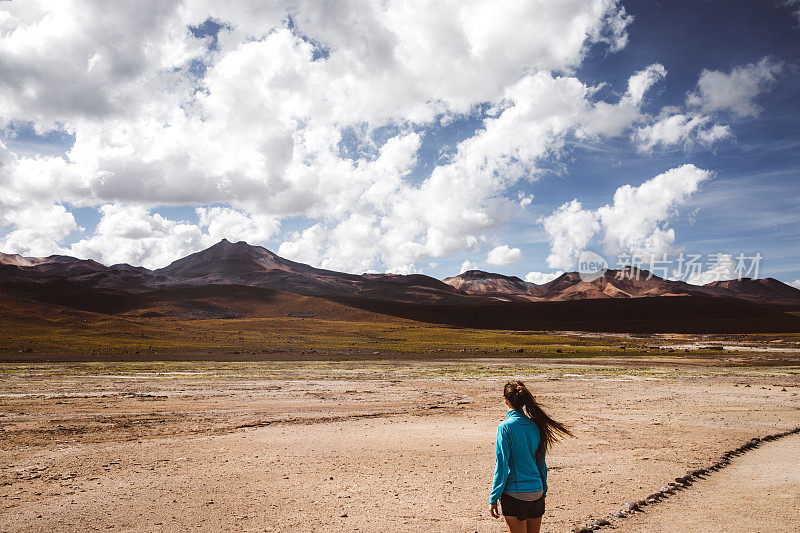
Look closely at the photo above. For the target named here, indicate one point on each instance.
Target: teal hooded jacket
(518, 469)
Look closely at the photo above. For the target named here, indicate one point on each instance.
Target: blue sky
(130, 181)
(752, 203)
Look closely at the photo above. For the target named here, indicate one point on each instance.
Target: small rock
(343, 515)
(631, 506)
(618, 514)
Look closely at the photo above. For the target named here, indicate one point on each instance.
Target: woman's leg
(518, 526)
(534, 524)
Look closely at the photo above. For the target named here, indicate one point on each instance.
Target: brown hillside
(666, 314)
(204, 302)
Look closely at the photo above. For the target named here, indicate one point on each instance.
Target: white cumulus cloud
(635, 222)
(680, 129)
(640, 82)
(258, 121)
(570, 228)
(503, 255)
(132, 234)
(542, 277)
(735, 91)
(226, 223)
(40, 228)
(467, 265)
(612, 119)
(322, 118)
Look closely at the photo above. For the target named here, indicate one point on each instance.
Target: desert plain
(387, 440)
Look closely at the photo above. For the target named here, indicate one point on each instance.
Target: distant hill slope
(768, 290)
(241, 264)
(497, 286)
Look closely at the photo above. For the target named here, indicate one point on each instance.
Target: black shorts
(520, 508)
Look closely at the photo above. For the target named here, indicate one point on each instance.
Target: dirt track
(399, 446)
(759, 491)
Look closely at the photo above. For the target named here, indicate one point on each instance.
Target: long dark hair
(520, 397)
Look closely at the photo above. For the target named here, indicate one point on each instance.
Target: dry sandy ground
(368, 446)
(759, 491)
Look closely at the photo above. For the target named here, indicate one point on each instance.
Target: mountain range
(628, 282)
(195, 287)
(225, 263)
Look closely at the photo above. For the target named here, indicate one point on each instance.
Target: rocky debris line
(680, 483)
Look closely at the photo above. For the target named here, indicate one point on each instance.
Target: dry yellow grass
(30, 327)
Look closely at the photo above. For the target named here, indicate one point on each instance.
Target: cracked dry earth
(371, 446)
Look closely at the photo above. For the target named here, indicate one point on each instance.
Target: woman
(520, 477)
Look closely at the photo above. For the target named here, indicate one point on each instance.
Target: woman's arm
(542, 466)
(502, 453)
